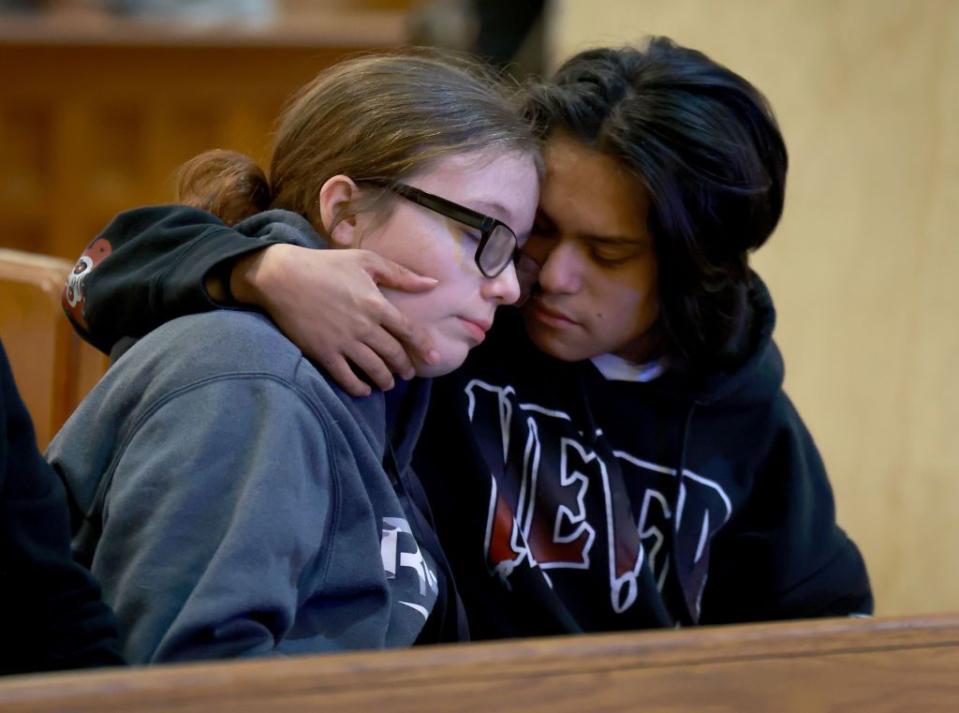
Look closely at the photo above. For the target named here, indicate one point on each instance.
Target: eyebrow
(614, 238)
(645, 238)
(496, 210)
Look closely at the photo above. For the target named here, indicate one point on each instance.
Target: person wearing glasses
(619, 453)
(232, 500)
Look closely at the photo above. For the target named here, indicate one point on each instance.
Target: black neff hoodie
(568, 502)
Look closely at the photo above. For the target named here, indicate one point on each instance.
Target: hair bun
(227, 183)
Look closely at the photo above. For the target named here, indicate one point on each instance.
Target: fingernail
(409, 374)
(433, 357)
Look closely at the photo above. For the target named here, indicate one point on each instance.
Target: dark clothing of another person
(51, 613)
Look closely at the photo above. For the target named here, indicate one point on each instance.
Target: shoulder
(229, 354)
(215, 346)
(214, 342)
(216, 357)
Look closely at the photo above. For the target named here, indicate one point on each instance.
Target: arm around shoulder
(148, 266)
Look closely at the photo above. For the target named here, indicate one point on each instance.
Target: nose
(560, 272)
(502, 289)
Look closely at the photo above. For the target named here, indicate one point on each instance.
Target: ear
(337, 200)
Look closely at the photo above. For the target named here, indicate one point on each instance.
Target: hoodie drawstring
(692, 607)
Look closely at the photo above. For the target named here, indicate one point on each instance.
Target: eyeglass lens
(498, 251)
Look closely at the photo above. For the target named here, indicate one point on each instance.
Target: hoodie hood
(755, 372)
(282, 226)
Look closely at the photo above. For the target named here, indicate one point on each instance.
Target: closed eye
(472, 235)
(615, 252)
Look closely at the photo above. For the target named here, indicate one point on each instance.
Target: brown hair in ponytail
(226, 183)
(374, 117)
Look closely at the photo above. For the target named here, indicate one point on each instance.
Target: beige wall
(862, 266)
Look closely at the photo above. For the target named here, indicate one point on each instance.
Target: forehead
(502, 184)
(591, 192)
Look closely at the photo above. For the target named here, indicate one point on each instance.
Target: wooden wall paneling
(67, 193)
(251, 128)
(95, 120)
(125, 107)
(164, 132)
(25, 156)
(25, 151)
(116, 148)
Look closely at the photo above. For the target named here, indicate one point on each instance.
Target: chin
(428, 371)
(451, 359)
(558, 348)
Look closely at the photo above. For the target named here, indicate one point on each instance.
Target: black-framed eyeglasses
(497, 244)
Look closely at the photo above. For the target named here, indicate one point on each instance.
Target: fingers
(392, 352)
(414, 340)
(420, 342)
(370, 363)
(339, 369)
(387, 273)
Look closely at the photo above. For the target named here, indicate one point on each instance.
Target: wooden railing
(869, 665)
(53, 367)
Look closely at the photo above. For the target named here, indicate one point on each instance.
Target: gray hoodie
(233, 502)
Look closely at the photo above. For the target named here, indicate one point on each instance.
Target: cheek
(422, 309)
(428, 309)
(434, 313)
(621, 304)
(434, 253)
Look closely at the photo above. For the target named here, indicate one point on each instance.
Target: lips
(550, 316)
(477, 327)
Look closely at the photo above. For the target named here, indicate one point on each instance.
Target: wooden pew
(52, 366)
(870, 665)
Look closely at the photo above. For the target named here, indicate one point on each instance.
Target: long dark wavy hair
(707, 147)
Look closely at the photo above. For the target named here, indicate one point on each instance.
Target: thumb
(387, 273)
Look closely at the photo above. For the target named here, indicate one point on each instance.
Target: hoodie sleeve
(52, 615)
(149, 266)
(206, 550)
(784, 556)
